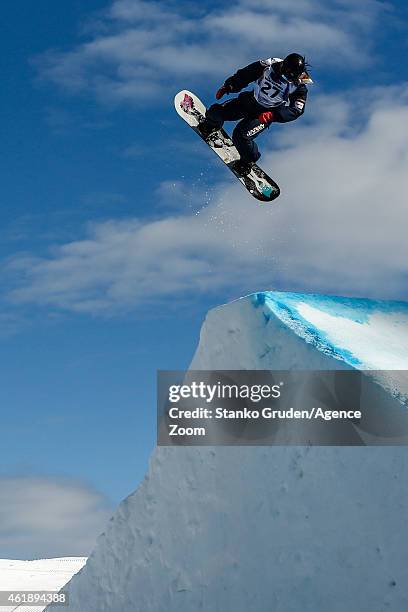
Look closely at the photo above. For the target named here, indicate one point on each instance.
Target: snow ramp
(288, 529)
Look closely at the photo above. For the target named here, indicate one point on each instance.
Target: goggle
(293, 75)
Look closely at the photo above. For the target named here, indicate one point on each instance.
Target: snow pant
(246, 108)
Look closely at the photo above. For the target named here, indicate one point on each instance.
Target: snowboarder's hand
(221, 92)
(266, 117)
(227, 88)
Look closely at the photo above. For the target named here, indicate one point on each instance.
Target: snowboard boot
(243, 167)
(206, 129)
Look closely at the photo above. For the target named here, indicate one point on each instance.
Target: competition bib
(271, 90)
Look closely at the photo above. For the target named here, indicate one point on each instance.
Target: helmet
(293, 66)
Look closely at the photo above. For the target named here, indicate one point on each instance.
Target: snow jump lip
(363, 334)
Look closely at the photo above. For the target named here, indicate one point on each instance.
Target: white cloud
(339, 225)
(140, 48)
(49, 517)
(173, 194)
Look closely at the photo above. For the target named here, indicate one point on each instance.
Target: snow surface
(37, 575)
(364, 333)
(282, 529)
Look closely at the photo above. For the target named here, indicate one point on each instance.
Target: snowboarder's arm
(295, 108)
(244, 76)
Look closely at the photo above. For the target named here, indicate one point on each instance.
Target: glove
(225, 89)
(266, 117)
(221, 92)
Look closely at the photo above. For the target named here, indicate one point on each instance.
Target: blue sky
(119, 230)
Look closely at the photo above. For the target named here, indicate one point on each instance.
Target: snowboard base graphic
(257, 182)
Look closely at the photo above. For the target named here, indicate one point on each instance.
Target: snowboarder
(279, 95)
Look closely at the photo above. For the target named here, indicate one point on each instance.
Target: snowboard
(257, 182)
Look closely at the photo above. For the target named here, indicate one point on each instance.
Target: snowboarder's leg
(231, 110)
(244, 136)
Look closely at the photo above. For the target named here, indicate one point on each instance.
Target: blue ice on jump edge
(360, 333)
(354, 330)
